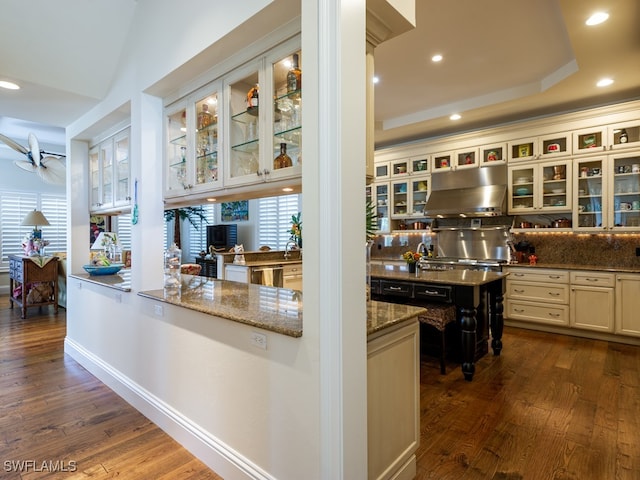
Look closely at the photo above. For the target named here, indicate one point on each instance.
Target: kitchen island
(477, 296)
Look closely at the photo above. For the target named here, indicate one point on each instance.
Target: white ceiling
(504, 60)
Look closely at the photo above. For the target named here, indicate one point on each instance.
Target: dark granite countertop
(445, 277)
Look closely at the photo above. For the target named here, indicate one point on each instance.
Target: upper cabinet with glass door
(191, 152)
(109, 174)
(265, 113)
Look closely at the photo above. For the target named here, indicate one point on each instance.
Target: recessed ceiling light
(605, 82)
(375, 80)
(436, 58)
(455, 116)
(9, 85)
(287, 189)
(597, 18)
(211, 199)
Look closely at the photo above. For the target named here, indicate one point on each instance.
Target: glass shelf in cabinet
(180, 164)
(181, 141)
(248, 116)
(293, 96)
(251, 146)
(290, 133)
(209, 128)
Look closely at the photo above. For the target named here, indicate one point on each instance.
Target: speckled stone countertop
(565, 266)
(275, 309)
(119, 281)
(445, 277)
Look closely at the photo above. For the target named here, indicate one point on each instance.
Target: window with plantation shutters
(274, 219)
(123, 230)
(14, 206)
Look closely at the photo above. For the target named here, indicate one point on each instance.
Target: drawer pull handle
(395, 288)
(555, 277)
(554, 294)
(554, 314)
(518, 291)
(591, 279)
(432, 292)
(518, 274)
(519, 310)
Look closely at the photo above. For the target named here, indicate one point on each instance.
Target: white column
(334, 75)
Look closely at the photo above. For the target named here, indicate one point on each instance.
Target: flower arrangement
(296, 229)
(33, 245)
(411, 257)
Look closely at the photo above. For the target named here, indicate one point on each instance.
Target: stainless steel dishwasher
(271, 276)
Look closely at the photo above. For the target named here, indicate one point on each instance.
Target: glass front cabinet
(109, 173)
(265, 119)
(540, 187)
(242, 129)
(191, 152)
(608, 193)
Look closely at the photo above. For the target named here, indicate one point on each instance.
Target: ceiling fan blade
(52, 170)
(25, 165)
(17, 147)
(34, 148)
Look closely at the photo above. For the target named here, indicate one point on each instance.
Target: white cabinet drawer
(593, 279)
(538, 292)
(538, 275)
(539, 313)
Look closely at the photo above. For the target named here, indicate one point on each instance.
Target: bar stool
(438, 316)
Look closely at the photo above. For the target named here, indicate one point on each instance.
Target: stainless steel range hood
(475, 192)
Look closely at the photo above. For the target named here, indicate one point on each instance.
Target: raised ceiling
(504, 60)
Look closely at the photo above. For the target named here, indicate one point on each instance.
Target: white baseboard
(218, 456)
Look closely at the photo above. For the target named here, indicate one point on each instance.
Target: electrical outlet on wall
(259, 340)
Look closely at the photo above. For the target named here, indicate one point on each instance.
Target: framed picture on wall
(234, 211)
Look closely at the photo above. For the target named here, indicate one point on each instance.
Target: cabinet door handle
(554, 314)
(555, 277)
(518, 291)
(519, 310)
(554, 294)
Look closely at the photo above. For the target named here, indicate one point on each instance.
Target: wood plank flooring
(551, 407)
(62, 423)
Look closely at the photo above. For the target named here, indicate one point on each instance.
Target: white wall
(297, 410)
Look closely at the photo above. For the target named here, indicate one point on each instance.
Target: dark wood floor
(551, 407)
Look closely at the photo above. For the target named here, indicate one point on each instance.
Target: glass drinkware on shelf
(172, 271)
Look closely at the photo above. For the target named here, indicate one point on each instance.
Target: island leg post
(468, 325)
(496, 321)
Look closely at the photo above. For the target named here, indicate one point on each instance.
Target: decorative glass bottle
(172, 272)
(294, 76)
(283, 160)
(204, 117)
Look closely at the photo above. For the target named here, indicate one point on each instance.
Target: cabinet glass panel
(442, 161)
(590, 186)
(522, 150)
(94, 173)
(177, 150)
(625, 135)
(106, 155)
(122, 168)
(420, 165)
(420, 191)
(626, 191)
(522, 191)
(287, 112)
(382, 170)
(554, 186)
(244, 135)
(382, 205)
(206, 140)
(399, 199)
(589, 140)
(399, 167)
(467, 158)
(493, 153)
(557, 145)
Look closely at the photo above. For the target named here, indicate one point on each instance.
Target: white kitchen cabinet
(381, 171)
(191, 147)
(466, 158)
(442, 161)
(110, 174)
(592, 300)
(258, 133)
(614, 136)
(628, 304)
(537, 295)
(382, 199)
(409, 196)
(237, 273)
(540, 147)
(539, 187)
(493, 154)
(393, 403)
(608, 192)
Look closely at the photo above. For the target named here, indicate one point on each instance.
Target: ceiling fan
(50, 168)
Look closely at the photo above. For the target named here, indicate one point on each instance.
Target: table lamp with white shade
(35, 218)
